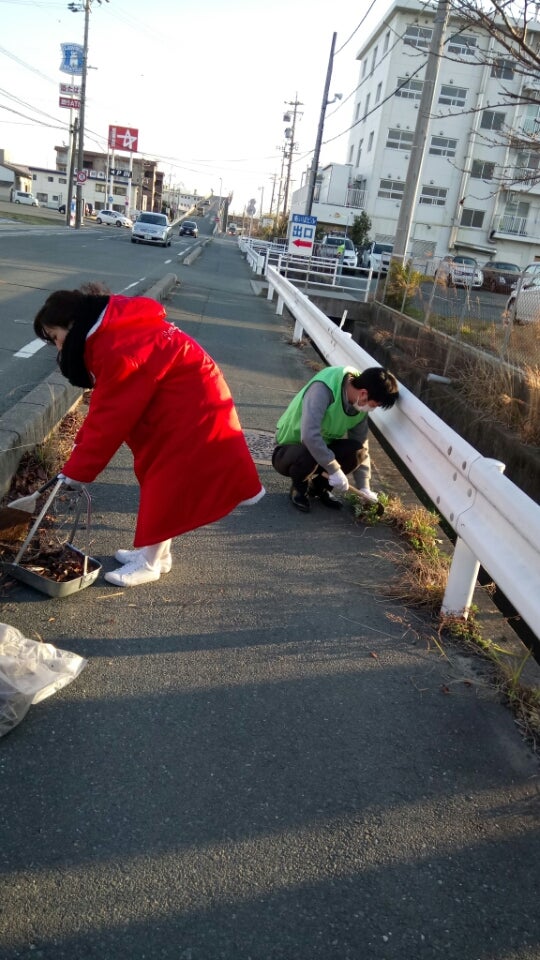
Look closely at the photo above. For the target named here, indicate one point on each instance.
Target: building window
(364, 68)
(62, 180)
(370, 142)
(443, 147)
(503, 69)
(351, 153)
(482, 170)
(391, 189)
(410, 89)
(417, 36)
(433, 195)
(452, 96)
(527, 165)
(50, 179)
(386, 42)
(357, 114)
(492, 120)
(472, 218)
(366, 108)
(399, 139)
(378, 93)
(463, 44)
(374, 59)
(359, 154)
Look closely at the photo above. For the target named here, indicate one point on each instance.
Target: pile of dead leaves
(47, 555)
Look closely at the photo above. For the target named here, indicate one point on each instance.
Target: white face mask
(362, 408)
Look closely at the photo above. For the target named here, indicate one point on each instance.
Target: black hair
(75, 311)
(381, 386)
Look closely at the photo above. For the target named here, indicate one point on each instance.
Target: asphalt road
(36, 259)
(266, 756)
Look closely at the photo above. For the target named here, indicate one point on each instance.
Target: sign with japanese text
(302, 235)
(69, 90)
(72, 58)
(123, 138)
(69, 102)
(119, 172)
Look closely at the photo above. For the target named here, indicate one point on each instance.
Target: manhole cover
(261, 444)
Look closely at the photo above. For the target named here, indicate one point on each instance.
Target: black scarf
(71, 356)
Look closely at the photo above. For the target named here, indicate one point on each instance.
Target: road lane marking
(30, 349)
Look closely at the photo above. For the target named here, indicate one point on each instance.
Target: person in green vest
(323, 434)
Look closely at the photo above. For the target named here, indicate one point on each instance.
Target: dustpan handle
(43, 511)
(85, 493)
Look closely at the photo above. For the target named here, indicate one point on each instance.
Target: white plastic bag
(29, 672)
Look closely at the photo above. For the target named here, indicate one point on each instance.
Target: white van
(19, 196)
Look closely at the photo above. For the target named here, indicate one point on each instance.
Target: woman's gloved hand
(69, 483)
(338, 481)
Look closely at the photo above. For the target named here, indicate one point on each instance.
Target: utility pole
(416, 158)
(317, 152)
(290, 135)
(76, 8)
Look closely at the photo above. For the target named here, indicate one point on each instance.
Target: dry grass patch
(422, 573)
(493, 390)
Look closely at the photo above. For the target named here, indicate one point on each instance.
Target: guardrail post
(298, 332)
(279, 308)
(461, 581)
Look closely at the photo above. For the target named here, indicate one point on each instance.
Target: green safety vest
(335, 422)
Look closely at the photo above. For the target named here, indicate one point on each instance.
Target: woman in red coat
(158, 391)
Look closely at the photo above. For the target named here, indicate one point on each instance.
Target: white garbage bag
(30, 671)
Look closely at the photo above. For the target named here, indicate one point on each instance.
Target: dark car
(188, 228)
(500, 277)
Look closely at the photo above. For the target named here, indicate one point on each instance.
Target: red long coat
(158, 391)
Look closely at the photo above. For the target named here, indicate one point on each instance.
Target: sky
(205, 82)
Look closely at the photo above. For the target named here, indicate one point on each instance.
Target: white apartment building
(468, 201)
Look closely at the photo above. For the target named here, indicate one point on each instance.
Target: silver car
(152, 228)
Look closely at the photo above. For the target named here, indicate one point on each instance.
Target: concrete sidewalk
(266, 757)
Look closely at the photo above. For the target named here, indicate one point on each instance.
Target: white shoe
(368, 495)
(128, 556)
(133, 574)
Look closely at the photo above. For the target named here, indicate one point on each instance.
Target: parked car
(152, 228)
(20, 196)
(109, 217)
(461, 271)
(188, 228)
(329, 247)
(377, 256)
(499, 277)
(523, 305)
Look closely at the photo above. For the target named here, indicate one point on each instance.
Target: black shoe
(329, 500)
(320, 488)
(299, 499)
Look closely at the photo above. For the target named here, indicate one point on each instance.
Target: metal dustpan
(55, 588)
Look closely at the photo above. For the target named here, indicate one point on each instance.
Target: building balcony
(514, 228)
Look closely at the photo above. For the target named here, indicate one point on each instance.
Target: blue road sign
(72, 58)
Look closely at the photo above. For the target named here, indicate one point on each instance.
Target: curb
(33, 418)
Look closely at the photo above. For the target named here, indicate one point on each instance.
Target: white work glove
(69, 483)
(338, 481)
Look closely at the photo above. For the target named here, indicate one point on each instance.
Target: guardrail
(497, 524)
(310, 271)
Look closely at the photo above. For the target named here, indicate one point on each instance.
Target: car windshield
(509, 267)
(189, 223)
(383, 248)
(153, 218)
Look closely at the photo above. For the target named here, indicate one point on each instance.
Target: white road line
(30, 349)
(130, 285)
